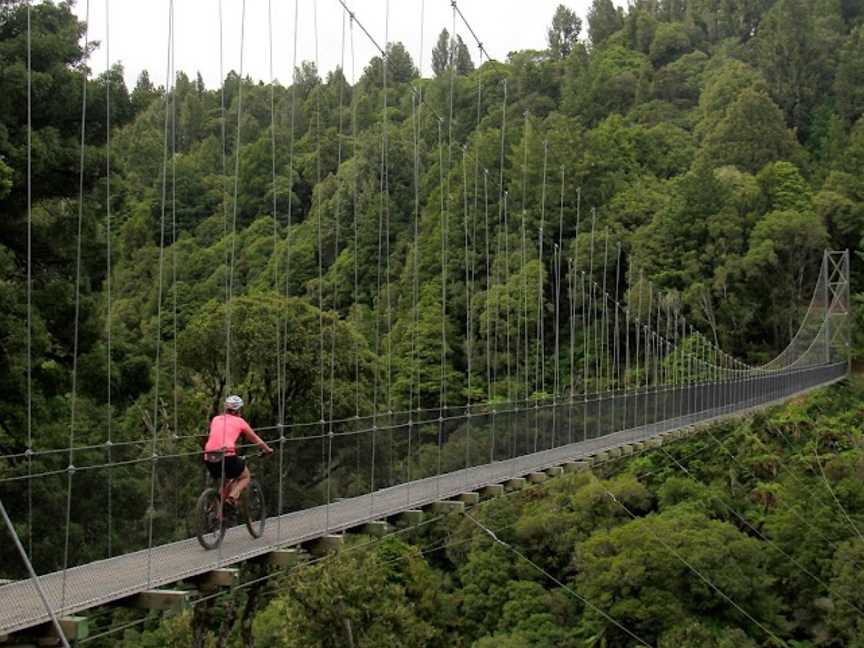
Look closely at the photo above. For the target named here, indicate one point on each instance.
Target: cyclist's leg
(236, 470)
(239, 484)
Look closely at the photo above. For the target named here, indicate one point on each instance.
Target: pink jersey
(225, 429)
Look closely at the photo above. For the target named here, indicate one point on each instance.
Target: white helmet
(233, 402)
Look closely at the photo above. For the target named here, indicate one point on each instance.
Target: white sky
(139, 32)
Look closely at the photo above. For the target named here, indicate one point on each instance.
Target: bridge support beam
(376, 528)
(75, 628)
(517, 483)
(445, 507)
(493, 490)
(283, 558)
(537, 477)
(600, 457)
(614, 452)
(324, 545)
(577, 466)
(469, 498)
(159, 599)
(555, 471)
(409, 518)
(216, 578)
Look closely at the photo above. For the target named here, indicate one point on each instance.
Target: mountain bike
(214, 514)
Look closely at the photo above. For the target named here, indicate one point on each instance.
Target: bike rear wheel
(255, 509)
(209, 519)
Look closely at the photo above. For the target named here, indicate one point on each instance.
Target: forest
(368, 242)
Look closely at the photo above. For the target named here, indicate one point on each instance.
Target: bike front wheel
(209, 519)
(256, 510)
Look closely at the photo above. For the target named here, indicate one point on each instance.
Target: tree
(441, 53)
(722, 89)
(399, 64)
(671, 40)
(795, 49)
(848, 625)
(752, 134)
(603, 21)
(784, 251)
(451, 52)
(563, 34)
(400, 68)
(650, 592)
(464, 64)
(349, 601)
(144, 92)
(616, 79)
(849, 82)
(783, 187)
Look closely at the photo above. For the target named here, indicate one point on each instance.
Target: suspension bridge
(643, 374)
(503, 444)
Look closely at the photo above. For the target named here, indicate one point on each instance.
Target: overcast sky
(138, 32)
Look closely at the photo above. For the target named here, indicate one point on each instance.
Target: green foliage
(849, 82)
(604, 20)
(751, 134)
(352, 600)
(671, 40)
(563, 34)
(795, 48)
(629, 571)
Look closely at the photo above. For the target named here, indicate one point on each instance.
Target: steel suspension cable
(538, 354)
(338, 218)
(444, 241)
(458, 12)
(468, 341)
(287, 287)
(279, 358)
(108, 234)
(237, 144)
(316, 205)
(74, 403)
(175, 392)
(169, 96)
(356, 240)
(414, 382)
(524, 259)
(30, 282)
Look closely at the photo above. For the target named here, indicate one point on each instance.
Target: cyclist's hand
(267, 451)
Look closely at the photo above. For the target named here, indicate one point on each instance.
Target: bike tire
(209, 525)
(255, 509)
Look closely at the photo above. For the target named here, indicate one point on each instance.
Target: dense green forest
(337, 247)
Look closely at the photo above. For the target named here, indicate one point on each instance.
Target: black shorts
(234, 466)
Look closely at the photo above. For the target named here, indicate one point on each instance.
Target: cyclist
(225, 430)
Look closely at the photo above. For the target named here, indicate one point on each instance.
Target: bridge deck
(108, 580)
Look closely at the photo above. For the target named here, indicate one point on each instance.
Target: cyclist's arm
(249, 433)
